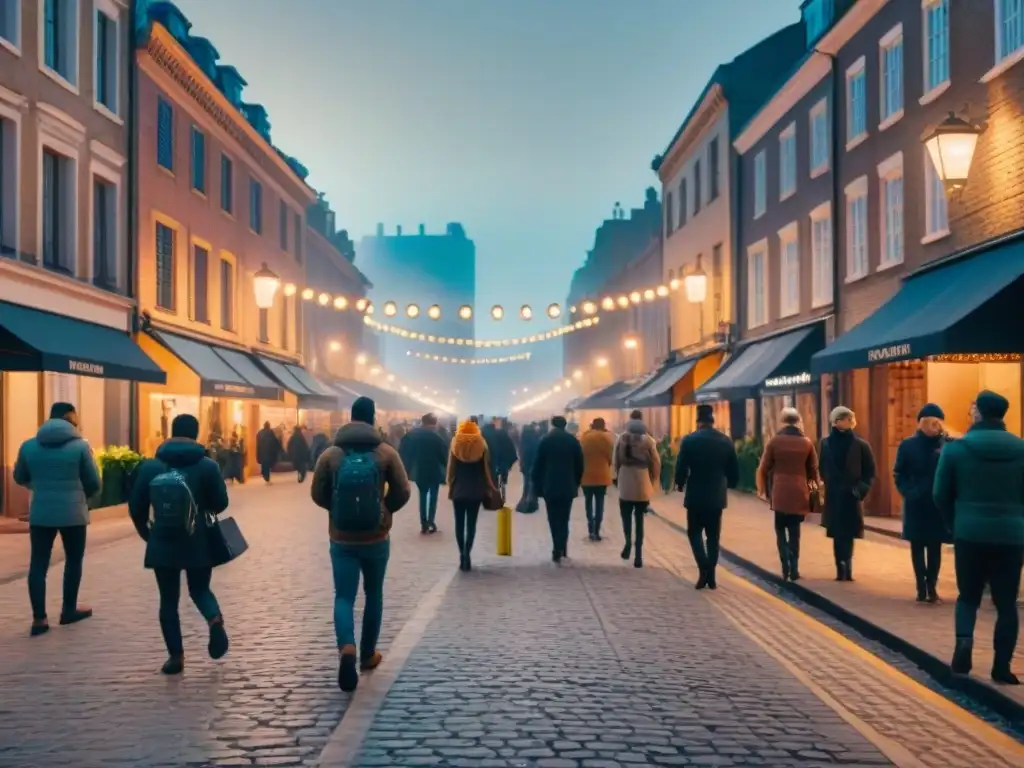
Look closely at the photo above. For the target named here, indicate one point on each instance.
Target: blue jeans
(348, 561)
(428, 503)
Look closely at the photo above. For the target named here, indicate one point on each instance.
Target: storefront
(951, 330)
(770, 373)
(320, 407)
(47, 358)
(668, 395)
(608, 403)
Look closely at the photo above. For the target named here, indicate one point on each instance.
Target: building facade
(219, 207)
(66, 273)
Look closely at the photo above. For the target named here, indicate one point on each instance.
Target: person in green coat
(979, 488)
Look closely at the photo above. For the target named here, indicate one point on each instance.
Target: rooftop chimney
(380, 230)
(398, 230)
(423, 230)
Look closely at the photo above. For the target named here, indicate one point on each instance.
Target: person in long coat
(848, 469)
(268, 450)
(529, 438)
(787, 478)
(917, 459)
(637, 470)
(557, 473)
(426, 461)
(299, 453)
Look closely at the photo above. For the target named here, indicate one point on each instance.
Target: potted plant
(117, 465)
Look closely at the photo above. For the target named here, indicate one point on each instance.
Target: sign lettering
(233, 389)
(881, 354)
(92, 369)
(795, 380)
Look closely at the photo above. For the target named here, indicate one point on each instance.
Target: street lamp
(265, 284)
(601, 362)
(951, 147)
(630, 343)
(696, 285)
(335, 346)
(360, 359)
(577, 374)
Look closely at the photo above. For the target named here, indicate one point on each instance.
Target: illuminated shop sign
(892, 352)
(796, 380)
(90, 369)
(233, 389)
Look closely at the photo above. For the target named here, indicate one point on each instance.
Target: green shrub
(749, 451)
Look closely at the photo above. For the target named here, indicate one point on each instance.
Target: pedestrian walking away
(706, 468)
(638, 471)
(528, 442)
(788, 479)
(268, 450)
(426, 458)
(557, 474)
(500, 448)
(917, 459)
(470, 482)
(57, 466)
(185, 491)
(848, 471)
(598, 457)
(979, 488)
(299, 453)
(361, 483)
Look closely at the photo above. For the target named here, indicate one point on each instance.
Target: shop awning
(964, 306)
(657, 392)
(778, 362)
(339, 400)
(221, 371)
(608, 398)
(35, 340)
(294, 378)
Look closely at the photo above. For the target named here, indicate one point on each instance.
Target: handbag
(817, 492)
(225, 540)
(494, 499)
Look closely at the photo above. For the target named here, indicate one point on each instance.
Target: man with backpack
(361, 482)
(185, 489)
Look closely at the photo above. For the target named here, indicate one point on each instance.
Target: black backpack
(356, 501)
(175, 512)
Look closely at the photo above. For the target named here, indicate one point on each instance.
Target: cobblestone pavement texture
(883, 592)
(91, 695)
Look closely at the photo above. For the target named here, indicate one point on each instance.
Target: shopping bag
(505, 532)
(225, 540)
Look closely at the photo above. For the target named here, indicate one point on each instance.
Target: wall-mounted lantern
(265, 284)
(951, 147)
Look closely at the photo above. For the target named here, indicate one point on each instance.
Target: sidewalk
(879, 603)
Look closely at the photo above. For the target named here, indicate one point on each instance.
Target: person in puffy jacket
(169, 552)
(598, 456)
(637, 470)
(58, 467)
(470, 481)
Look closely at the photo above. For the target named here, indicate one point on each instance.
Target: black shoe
(963, 656)
(73, 617)
(431, 527)
(348, 675)
(463, 562)
(638, 561)
(468, 562)
(794, 575)
(627, 550)
(848, 570)
(556, 557)
(39, 628)
(933, 595)
(597, 536)
(702, 580)
(218, 645)
(174, 665)
(1001, 673)
(922, 594)
(423, 528)
(785, 571)
(712, 584)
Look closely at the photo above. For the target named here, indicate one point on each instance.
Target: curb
(982, 692)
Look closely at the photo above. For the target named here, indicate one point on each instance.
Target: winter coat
(425, 457)
(558, 466)
(58, 467)
(500, 447)
(788, 468)
(203, 478)
(637, 463)
(706, 467)
(468, 474)
(394, 490)
(917, 459)
(528, 442)
(848, 471)
(268, 447)
(979, 485)
(598, 456)
(317, 447)
(298, 450)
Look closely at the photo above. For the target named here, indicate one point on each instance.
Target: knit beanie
(931, 411)
(991, 405)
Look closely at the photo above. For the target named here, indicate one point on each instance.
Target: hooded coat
(637, 463)
(58, 467)
(298, 451)
(204, 480)
(469, 475)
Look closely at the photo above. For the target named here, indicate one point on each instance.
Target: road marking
(347, 740)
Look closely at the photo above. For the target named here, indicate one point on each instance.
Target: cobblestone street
(521, 663)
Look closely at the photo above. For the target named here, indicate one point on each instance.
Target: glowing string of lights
(563, 386)
(405, 333)
(471, 360)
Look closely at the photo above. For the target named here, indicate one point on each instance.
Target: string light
(526, 312)
(390, 308)
(406, 333)
(465, 312)
(434, 313)
(470, 360)
(324, 299)
(562, 386)
(554, 311)
(413, 310)
(497, 312)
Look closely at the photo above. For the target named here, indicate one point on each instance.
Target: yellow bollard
(505, 532)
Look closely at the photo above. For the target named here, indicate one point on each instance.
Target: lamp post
(696, 285)
(951, 147)
(265, 284)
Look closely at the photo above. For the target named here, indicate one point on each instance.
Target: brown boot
(371, 662)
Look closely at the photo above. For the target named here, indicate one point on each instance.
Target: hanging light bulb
(413, 310)
(390, 308)
(607, 303)
(674, 284)
(635, 297)
(434, 312)
(497, 312)
(662, 291)
(589, 307)
(554, 310)
(526, 312)
(465, 312)
(623, 301)
(369, 308)
(308, 294)
(649, 294)
(290, 289)
(324, 299)
(340, 302)
(362, 304)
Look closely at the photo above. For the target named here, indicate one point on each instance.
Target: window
(60, 39)
(227, 182)
(789, 270)
(936, 44)
(821, 255)
(198, 160)
(227, 294)
(104, 233)
(1009, 28)
(787, 162)
(264, 329)
(713, 161)
(165, 245)
(10, 24)
(760, 184)
(106, 51)
(890, 173)
(199, 285)
(255, 207)
(683, 202)
(891, 86)
(856, 104)
(697, 201)
(59, 204)
(857, 229)
(282, 225)
(936, 215)
(668, 215)
(757, 286)
(716, 280)
(10, 192)
(287, 308)
(299, 231)
(165, 134)
(819, 138)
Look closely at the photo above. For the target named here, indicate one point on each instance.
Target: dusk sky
(526, 120)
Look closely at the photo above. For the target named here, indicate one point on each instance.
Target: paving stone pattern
(595, 664)
(91, 695)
